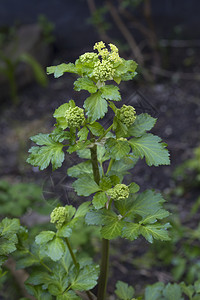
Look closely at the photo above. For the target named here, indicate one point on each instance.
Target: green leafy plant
(117, 209)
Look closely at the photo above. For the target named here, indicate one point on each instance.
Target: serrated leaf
(59, 135)
(86, 279)
(120, 167)
(156, 231)
(160, 214)
(85, 186)
(55, 248)
(8, 245)
(143, 123)
(112, 225)
(154, 292)
(96, 128)
(61, 69)
(151, 147)
(44, 237)
(38, 292)
(25, 262)
(96, 107)
(117, 148)
(188, 290)
(84, 83)
(80, 169)
(64, 231)
(110, 92)
(172, 292)
(131, 231)
(99, 200)
(50, 152)
(147, 203)
(83, 133)
(9, 227)
(123, 291)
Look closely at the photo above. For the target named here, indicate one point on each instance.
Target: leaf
(147, 203)
(85, 186)
(133, 188)
(149, 146)
(9, 227)
(156, 231)
(83, 133)
(64, 231)
(80, 169)
(143, 123)
(55, 248)
(84, 83)
(117, 148)
(82, 210)
(86, 279)
(120, 167)
(113, 225)
(110, 92)
(131, 231)
(96, 128)
(94, 217)
(188, 290)
(61, 69)
(96, 107)
(160, 214)
(123, 291)
(99, 200)
(44, 237)
(69, 295)
(154, 292)
(172, 292)
(25, 262)
(50, 152)
(8, 245)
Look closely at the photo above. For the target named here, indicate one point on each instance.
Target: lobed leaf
(85, 186)
(117, 148)
(143, 123)
(96, 107)
(123, 291)
(110, 92)
(61, 69)
(84, 83)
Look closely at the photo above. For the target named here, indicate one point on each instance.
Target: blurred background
(164, 39)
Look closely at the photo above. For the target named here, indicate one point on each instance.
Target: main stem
(103, 278)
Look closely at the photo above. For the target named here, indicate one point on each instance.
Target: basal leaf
(96, 107)
(173, 292)
(85, 186)
(154, 292)
(99, 200)
(61, 69)
(156, 231)
(110, 92)
(84, 83)
(123, 291)
(117, 148)
(151, 147)
(143, 123)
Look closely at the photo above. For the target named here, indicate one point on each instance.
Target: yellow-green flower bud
(119, 192)
(75, 116)
(127, 115)
(58, 216)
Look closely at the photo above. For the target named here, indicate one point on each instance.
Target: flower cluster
(58, 216)
(88, 57)
(119, 192)
(75, 116)
(104, 68)
(127, 115)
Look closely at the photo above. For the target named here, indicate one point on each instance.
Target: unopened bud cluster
(119, 192)
(58, 216)
(127, 115)
(75, 117)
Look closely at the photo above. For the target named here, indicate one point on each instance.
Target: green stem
(41, 262)
(104, 134)
(103, 278)
(72, 254)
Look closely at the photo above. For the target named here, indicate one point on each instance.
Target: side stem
(103, 278)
